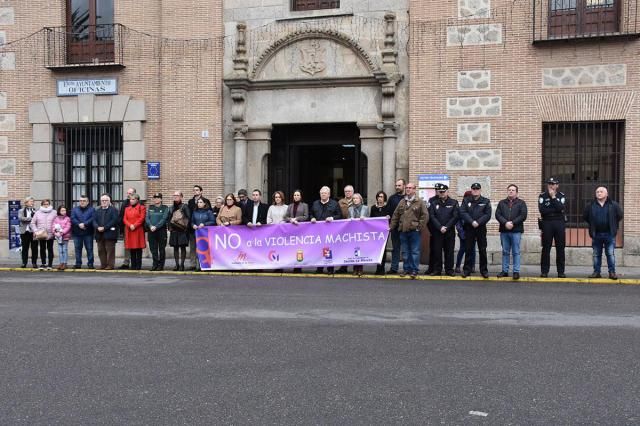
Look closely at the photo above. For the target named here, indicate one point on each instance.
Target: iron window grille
(584, 156)
(87, 160)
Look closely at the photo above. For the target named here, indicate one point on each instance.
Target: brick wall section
(516, 76)
(179, 81)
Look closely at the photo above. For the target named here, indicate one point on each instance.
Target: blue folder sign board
(427, 183)
(14, 225)
(153, 170)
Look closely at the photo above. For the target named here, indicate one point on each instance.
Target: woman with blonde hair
(27, 240)
(358, 210)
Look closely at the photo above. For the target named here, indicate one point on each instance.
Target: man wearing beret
(443, 215)
(156, 224)
(475, 213)
(551, 205)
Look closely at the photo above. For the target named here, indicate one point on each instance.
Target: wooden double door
(311, 156)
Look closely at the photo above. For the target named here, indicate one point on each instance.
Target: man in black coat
(392, 204)
(443, 215)
(475, 212)
(255, 213)
(603, 216)
(511, 214)
(326, 209)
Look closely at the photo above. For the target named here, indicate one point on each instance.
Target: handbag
(41, 234)
(179, 220)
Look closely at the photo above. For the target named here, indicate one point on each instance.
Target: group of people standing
(408, 215)
(603, 216)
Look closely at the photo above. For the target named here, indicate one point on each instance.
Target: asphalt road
(123, 349)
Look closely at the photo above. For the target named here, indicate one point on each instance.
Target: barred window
(87, 160)
(583, 156)
(314, 4)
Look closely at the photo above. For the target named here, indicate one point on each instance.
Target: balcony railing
(555, 20)
(84, 46)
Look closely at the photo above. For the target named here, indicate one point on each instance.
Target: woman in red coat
(133, 220)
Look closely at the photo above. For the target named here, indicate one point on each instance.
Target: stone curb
(600, 281)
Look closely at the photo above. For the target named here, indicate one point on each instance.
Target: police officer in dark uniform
(551, 205)
(443, 215)
(475, 212)
(432, 233)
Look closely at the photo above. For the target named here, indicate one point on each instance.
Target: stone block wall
(455, 64)
(174, 83)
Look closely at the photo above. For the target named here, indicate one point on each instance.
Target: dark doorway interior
(309, 156)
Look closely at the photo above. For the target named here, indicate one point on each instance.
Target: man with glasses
(475, 212)
(443, 215)
(410, 218)
(511, 214)
(551, 205)
(105, 222)
(82, 231)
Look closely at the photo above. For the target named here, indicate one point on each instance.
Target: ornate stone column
(258, 147)
(371, 145)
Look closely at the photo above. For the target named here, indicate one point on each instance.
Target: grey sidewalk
(525, 270)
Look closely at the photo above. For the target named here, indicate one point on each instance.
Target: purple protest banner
(336, 243)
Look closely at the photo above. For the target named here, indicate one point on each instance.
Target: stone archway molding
(300, 35)
(87, 109)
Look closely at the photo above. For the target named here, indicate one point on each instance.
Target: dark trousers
(107, 253)
(136, 259)
(444, 242)
(87, 241)
(157, 246)
(433, 254)
(46, 252)
(27, 242)
(476, 235)
(552, 230)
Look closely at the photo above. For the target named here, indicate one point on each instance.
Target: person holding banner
(410, 218)
(229, 214)
(297, 211)
(357, 210)
(393, 202)
(202, 216)
(255, 212)
(277, 210)
(328, 210)
(381, 209)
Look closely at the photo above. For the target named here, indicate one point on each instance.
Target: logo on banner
(356, 252)
(274, 256)
(242, 257)
(299, 255)
(326, 253)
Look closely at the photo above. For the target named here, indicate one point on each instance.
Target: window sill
(587, 37)
(314, 14)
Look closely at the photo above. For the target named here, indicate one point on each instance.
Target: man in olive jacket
(475, 212)
(410, 218)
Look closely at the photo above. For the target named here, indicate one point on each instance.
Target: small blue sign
(153, 170)
(14, 224)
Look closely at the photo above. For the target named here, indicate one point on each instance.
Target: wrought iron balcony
(84, 46)
(561, 20)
